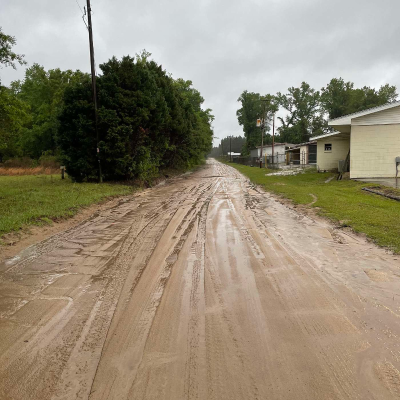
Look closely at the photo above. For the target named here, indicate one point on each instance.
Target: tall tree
(340, 98)
(253, 106)
(8, 57)
(14, 113)
(336, 97)
(43, 92)
(304, 115)
(247, 117)
(147, 121)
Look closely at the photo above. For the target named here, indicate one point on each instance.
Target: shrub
(146, 121)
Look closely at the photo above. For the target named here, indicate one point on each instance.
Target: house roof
(296, 146)
(275, 144)
(334, 133)
(346, 119)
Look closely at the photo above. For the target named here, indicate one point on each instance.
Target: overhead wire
(83, 14)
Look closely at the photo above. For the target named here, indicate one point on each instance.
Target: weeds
(41, 199)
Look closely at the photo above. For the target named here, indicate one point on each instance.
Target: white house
(371, 136)
(279, 152)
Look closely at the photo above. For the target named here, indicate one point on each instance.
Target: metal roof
(296, 146)
(326, 135)
(275, 144)
(346, 119)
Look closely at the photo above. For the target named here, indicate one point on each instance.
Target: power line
(79, 6)
(83, 14)
(94, 92)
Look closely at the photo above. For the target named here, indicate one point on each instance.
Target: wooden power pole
(230, 148)
(94, 91)
(262, 130)
(273, 138)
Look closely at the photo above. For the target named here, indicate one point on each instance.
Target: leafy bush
(146, 121)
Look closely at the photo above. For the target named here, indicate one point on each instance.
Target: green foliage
(306, 109)
(340, 98)
(305, 116)
(253, 107)
(146, 121)
(42, 91)
(247, 116)
(13, 116)
(27, 200)
(7, 57)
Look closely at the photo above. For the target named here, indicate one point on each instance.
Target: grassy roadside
(40, 199)
(344, 202)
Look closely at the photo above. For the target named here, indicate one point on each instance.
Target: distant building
(279, 152)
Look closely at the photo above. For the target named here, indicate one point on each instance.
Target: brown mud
(204, 287)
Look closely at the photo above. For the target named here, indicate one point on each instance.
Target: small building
(371, 138)
(279, 152)
(302, 154)
(331, 148)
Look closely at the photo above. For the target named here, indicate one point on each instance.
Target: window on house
(328, 147)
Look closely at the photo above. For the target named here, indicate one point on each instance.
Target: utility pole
(273, 138)
(262, 130)
(94, 92)
(230, 147)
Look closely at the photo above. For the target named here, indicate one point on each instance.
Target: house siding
(386, 117)
(328, 161)
(373, 151)
(255, 153)
(304, 155)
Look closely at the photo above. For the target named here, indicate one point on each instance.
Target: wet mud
(204, 287)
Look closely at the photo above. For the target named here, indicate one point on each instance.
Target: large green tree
(147, 121)
(42, 91)
(8, 57)
(304, 115)
(247, 116)
(340, 98)
(14, 113)
(254, 106)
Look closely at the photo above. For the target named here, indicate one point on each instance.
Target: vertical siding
(304, 155)
(373, 151)
(328, 161)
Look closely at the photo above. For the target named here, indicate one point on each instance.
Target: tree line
(147, 120)
(307, 110)
(236, 143)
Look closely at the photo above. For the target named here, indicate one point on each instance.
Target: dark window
(328, 147)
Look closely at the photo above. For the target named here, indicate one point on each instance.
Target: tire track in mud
(202, 288)
(150, 295)
(154, 228)
(110, 276)
(294, 297)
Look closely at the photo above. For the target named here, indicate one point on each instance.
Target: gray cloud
(223, 46)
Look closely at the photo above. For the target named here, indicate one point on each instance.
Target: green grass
(41, 199)
(341, 201)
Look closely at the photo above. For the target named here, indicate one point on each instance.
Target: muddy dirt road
(204, 288)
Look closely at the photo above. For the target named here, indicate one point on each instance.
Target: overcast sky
(223, 46)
